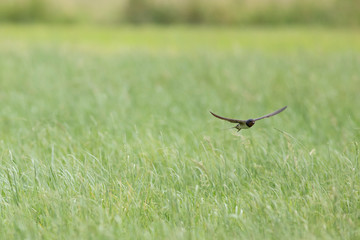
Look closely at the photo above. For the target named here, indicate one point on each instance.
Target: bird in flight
(245, 124)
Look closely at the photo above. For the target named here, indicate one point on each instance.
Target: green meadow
(105, 132)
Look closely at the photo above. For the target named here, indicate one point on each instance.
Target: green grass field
(105, 133)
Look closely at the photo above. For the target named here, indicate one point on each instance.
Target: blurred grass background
(120, 144)
(231, 12)
(105, 131)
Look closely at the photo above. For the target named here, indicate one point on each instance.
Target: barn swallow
(245, 124)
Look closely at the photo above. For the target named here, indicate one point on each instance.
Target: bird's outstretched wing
(228, 119)
(271, 114)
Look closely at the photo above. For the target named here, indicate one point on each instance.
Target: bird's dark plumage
(271, 114)
(243, 124)
(228, 119)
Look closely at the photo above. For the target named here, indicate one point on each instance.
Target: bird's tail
(231, 128)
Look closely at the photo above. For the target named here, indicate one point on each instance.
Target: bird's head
(250, 123)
